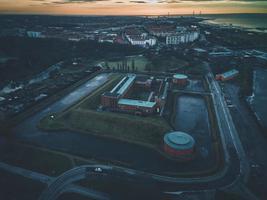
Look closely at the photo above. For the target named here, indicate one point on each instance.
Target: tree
(107, 65)
(149, 67)
(133, 65)
(118, 66)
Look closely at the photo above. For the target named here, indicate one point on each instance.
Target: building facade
(118, 99)
(227, 75)
(180, 79)
(131, 105)
(143, 41)
(182, 38)
(179, 145)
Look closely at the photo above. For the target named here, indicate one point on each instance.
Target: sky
(131, 7)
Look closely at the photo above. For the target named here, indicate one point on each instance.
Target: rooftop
(179, 140)
(139, 103)
(180, 76)
(123, 84)
(230, 73)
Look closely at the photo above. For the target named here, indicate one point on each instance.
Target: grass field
(46, 162)
(18, 187)
(84, 117)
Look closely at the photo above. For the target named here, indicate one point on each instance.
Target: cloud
(61, 2)
(170, 2)
(138, 2)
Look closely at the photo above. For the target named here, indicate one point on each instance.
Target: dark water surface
(251, 21)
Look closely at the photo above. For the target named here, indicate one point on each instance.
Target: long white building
(181, 38)
(142, 40)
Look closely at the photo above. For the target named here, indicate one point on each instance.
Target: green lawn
(35, 159)
(164, 63)
(147, 130)
(18, 187)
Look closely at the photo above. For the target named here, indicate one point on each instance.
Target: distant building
(34, 34)
(143, 41)
(227, 75)
(161, 30)
(2, 99)
(180, 29)
(109, 39)
(182, 38)
(200, 52)
(119, 40)
(138, 37)
(221, 54)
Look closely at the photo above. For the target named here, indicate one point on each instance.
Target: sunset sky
(131, 7)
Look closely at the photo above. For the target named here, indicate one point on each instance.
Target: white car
(98, 169)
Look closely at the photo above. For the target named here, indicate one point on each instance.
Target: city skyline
(131, 7)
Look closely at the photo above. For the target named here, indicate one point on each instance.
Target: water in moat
(89, 146)
(192, 117)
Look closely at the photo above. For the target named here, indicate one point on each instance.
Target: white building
(181, 38)
(143, 41)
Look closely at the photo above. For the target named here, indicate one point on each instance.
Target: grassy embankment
(19, 187)
(84, 117)
(46, 161)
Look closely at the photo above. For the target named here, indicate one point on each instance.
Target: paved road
(252, 138)
(26, 173)
(228, 128)
(50, 180)
(63, 182)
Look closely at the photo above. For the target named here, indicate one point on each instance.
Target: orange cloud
(130, 7)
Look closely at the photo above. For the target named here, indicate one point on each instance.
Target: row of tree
(124, 66)
(33, 55)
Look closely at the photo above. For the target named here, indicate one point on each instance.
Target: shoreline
(212, 22)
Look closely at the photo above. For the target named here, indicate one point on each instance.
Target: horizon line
(144, 15)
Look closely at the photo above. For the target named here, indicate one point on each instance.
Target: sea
(252, 22)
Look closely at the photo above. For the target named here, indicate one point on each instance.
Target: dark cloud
(58, 2)
(81, 1)
(171, 1)
(61, 2)
(138, 2)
